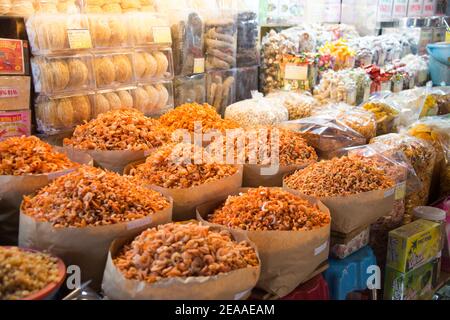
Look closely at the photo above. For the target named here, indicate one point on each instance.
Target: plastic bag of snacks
(26, 165)
(358, 119)
(358, 188)
(226, 267)
(299, 105)
(437, 131)
(325, 133)
(189, 89)
(386, 115)
(421, 156)
(113, 206)
(267, 153)
(291, 232)
(187, 174)
(117, 138)
(257, 111)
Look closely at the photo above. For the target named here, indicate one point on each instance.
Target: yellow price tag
(79, 39)
(447, 36)
(161, 35)
(199, 65)
(400, 191)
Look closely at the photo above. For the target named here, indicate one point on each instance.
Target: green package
(413, 245)
(414, 285)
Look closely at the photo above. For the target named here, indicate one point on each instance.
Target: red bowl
(49, 291)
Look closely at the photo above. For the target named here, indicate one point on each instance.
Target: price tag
(400, 191)
(161, 35)
(294, 72)
(199, 65)
(447, 37)
(79, 39)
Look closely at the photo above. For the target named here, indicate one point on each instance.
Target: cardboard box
(413, 245)
(15, 124)
(14, 93)
(415, 285)
(13, 57)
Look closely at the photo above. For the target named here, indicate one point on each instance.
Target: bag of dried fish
(182, 262)
(26, 273)
(26, 165)
(189, 175)
(267, 153)
(77, 216)
(356, 190)
(291, 232)
(118, 137)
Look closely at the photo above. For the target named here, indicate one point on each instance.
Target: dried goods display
(153, 99)
(104, 197)
(385, 115)
(339, 177)
(181, 166)
(124, 129)
(25, 273)
(29, 155)
(189, 89)
(220, 43)
(195, 251)
(246, 82)
(221, 89)
(299, 105)
(247, 39)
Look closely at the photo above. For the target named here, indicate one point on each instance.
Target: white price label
(294, 72)
(161, 35)
(199, 65)
(79, 39)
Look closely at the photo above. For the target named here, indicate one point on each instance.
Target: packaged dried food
(437, 131)
(246, 82)
(21, 8)
(299, 105)
(148, 28)
(113, 69)
(357, 189)
(299, 71)
(25, 273)
(109, 30)
(290, 231)
(62, 113)
(386, 115)
(220, 42)
(247, 53)
(344, 55)
(189, 89)
(187, 41)
(15, 124)
(151, 64)
(154, 99)
(221, 89)
(28, 164)
(49, 33)
(55, 6)
(257, 111)
(187, 115)
(117, 138)
(421, 157)
(189, 175)
(341, 246)
(227, 266)
(62, 74)
(83, 240)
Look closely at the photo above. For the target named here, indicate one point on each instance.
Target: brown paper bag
(351, 212)
(287, 257)
(254, 177)
(13, 188)
(113, 160)
(185, 201)
(85, 247)
(234, 285)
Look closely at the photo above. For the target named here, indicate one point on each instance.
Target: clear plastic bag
(386, 115)
(246, 82)
(299, 105)
(437, 131)
(247, 39)
(421, 156)
(221, 89)
(190, 89)
(257, 111)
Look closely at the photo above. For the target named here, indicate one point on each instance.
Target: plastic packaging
(190, 89)
(247, 39)
(221, 41)
(246, 82)
(107, 100)
(386, 115)
(113, 69)
(148, 28)
(299, 105)
(151, 64)
(221, 89)
(57, 74)
(257, 111)
(18, 8)
(154, 99)
(54, 115)
(109, 30)
(55, 6)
